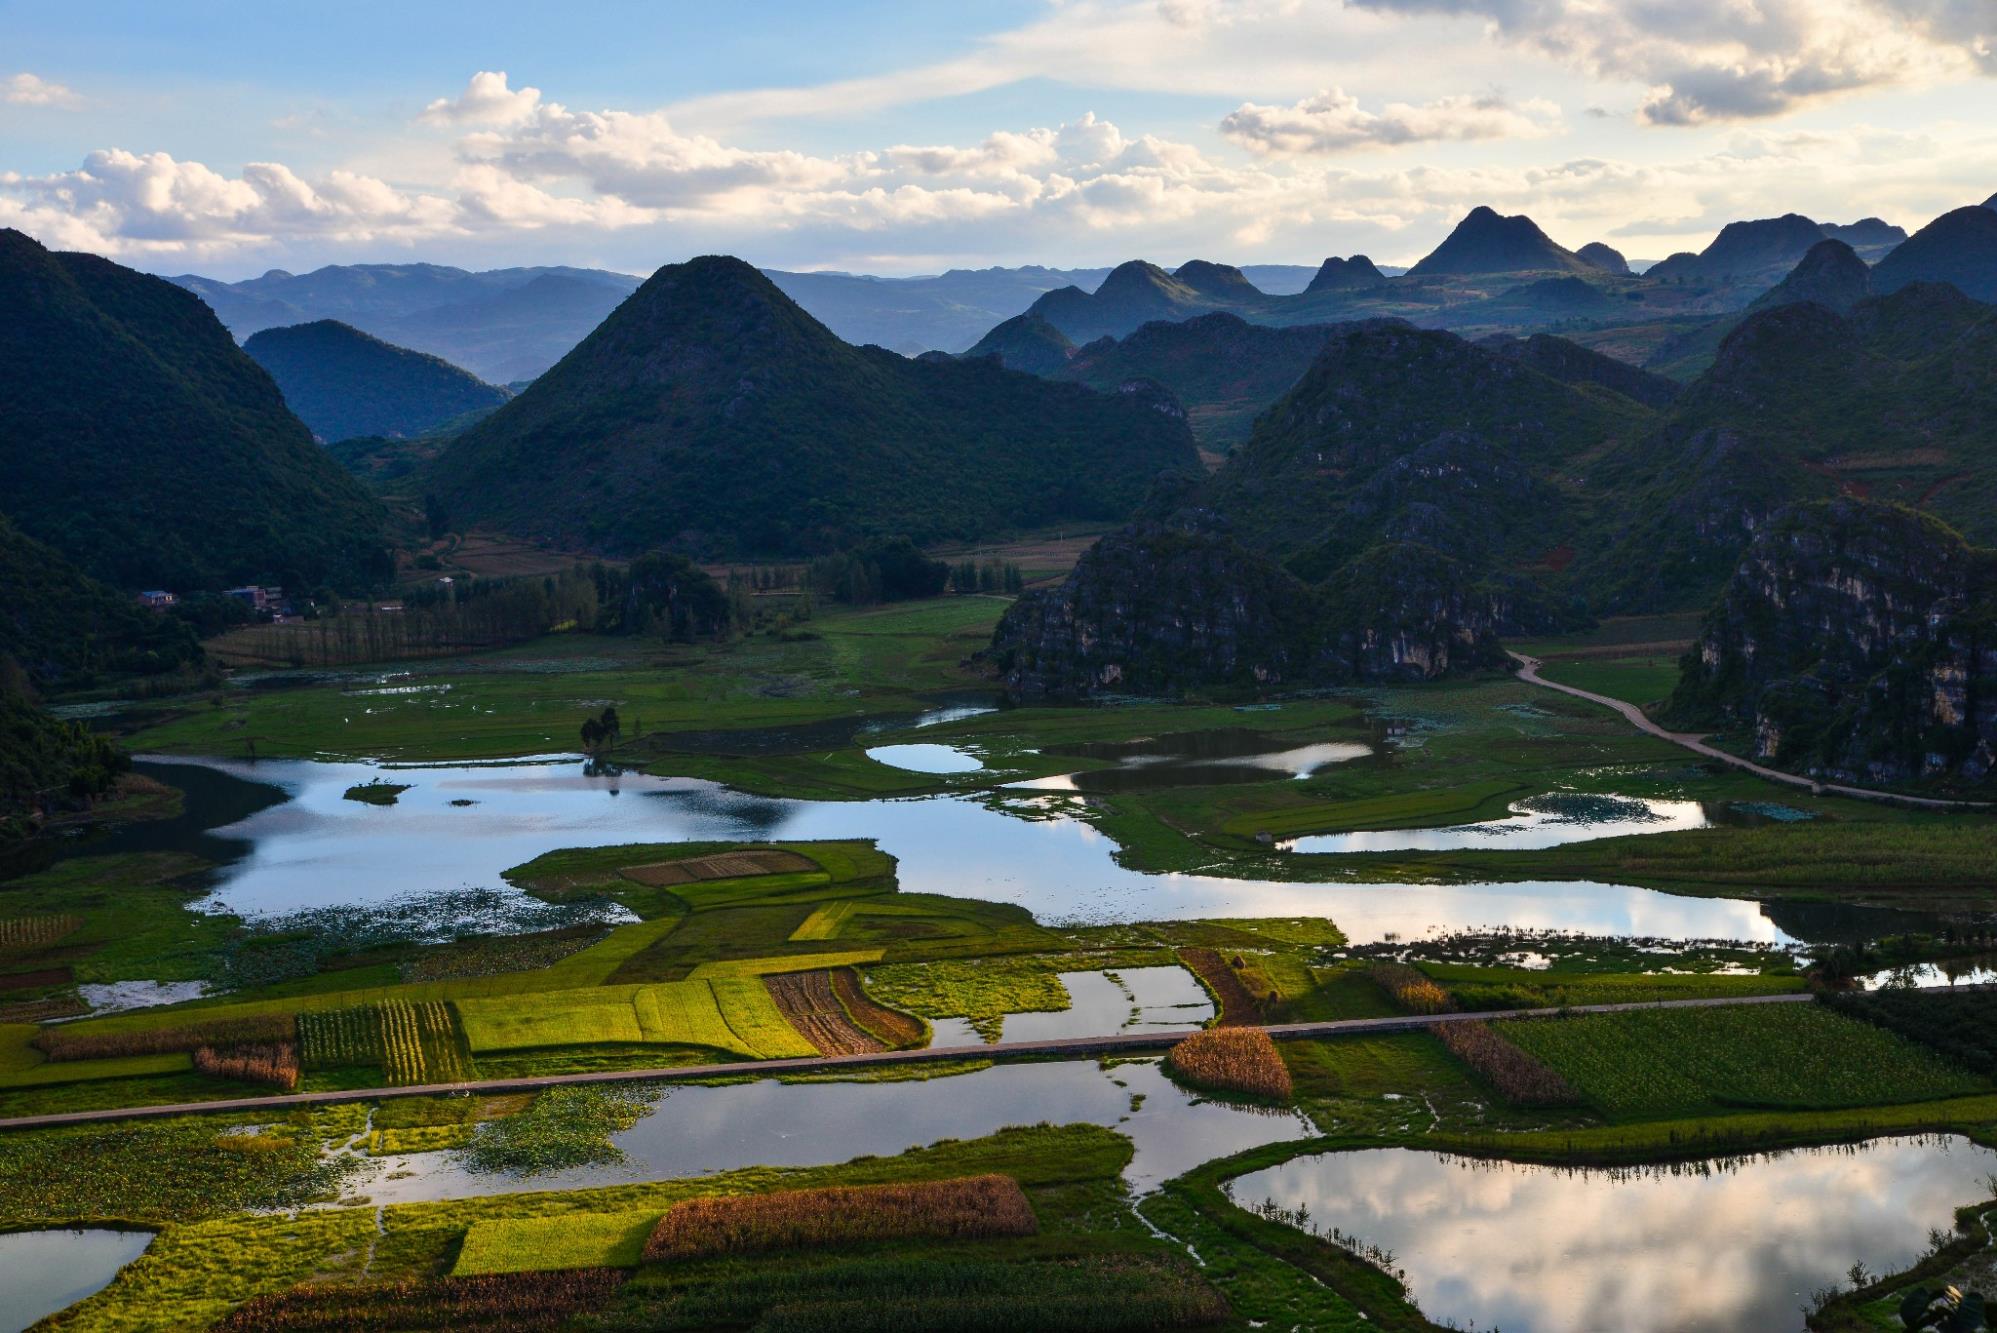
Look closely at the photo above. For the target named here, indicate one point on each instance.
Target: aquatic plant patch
(1240, 1060)
(974, 1207)
(564, 1127)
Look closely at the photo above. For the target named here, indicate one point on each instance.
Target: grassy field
(1693, 1061)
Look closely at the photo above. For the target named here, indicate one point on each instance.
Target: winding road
(1122, 1043)
(1529, 673)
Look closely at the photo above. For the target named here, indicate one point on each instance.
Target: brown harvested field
(275, 1065)
(975, 1207)
(48, 976)
(1236, 1060)
(893, 1027)
(727, 865)
(23, 934)
(64, 1044)
(807, 1000)
(1038, 558)
(41, 1011)
(491, 1302)
(1411, 988)
(1517, 1075)
(1238, 1004)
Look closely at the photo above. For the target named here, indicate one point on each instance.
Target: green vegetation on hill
(136, 438)
(342, 383)
(711, 413)
(46, 765)
(65, 629)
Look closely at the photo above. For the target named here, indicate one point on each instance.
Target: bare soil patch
(808, 1002)
(727, 865)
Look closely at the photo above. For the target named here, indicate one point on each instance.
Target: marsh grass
(1240, 1060)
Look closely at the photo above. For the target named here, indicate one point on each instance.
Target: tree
(592, 734)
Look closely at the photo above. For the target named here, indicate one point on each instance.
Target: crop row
(515, 1302)
(1239, 1060)
(18, 934)
(412, 1042)
(1661, 1062)
(1519, 1078)
(1238, 1004)
(1961, 1025)
(69, 1044)
(972, 1207)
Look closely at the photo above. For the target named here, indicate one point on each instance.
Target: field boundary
(1058, 1048)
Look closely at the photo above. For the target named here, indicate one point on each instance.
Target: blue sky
(226, 138)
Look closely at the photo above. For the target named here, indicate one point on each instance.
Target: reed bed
(275, 1064)
(1236, 1060)
(262, 1029)
(1411, 988)
(1520, 1079)
(973, 1207)
(491, 1302)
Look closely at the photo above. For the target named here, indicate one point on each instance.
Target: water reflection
(45, 1271)
(1934, 976)
(924, 758)
(1099, 1003)
(1219, 757)
(697, 1131)
(1718, 1247)
(316, 849)
(1540, 821)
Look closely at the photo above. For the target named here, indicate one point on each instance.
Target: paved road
(1529, 673)
(1123, 1043)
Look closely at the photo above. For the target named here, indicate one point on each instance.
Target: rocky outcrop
(1162, 608)
(1858, 642)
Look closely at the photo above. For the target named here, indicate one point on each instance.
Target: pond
(1538, 821)
(42, 1272)
(700, 1130)
(1223, 756)
(926, 758)
(284, 840)
(1099, 1003)
(1934, 976)
(1688, 1249)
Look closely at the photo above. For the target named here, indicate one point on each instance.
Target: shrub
(1239, 1060)
(972, 1207)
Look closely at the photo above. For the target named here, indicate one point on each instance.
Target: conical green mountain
(1026, 342)
(139, 440)
(1959, 248)
(1486, 243)
(342, 382)
(712, 414)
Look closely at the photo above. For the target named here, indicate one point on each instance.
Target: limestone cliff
(1162, 608)
(1856, 641)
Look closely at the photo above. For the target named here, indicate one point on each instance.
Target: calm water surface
(1542, 821)
(926, 758)
(698, 1131)
(1705, 1249)
(1131, 999)
(285, 839)
(45, 1271)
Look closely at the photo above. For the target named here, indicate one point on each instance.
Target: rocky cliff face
(1163, 608)
(1856, 641)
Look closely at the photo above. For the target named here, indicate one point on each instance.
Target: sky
(226, 138)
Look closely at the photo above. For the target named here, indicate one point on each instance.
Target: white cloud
(29, 90)
(1332, 121)
(1716, 60)
(486, 100)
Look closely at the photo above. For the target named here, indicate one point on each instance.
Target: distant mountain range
(343, 383)
(144, 445)
(711, 413)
